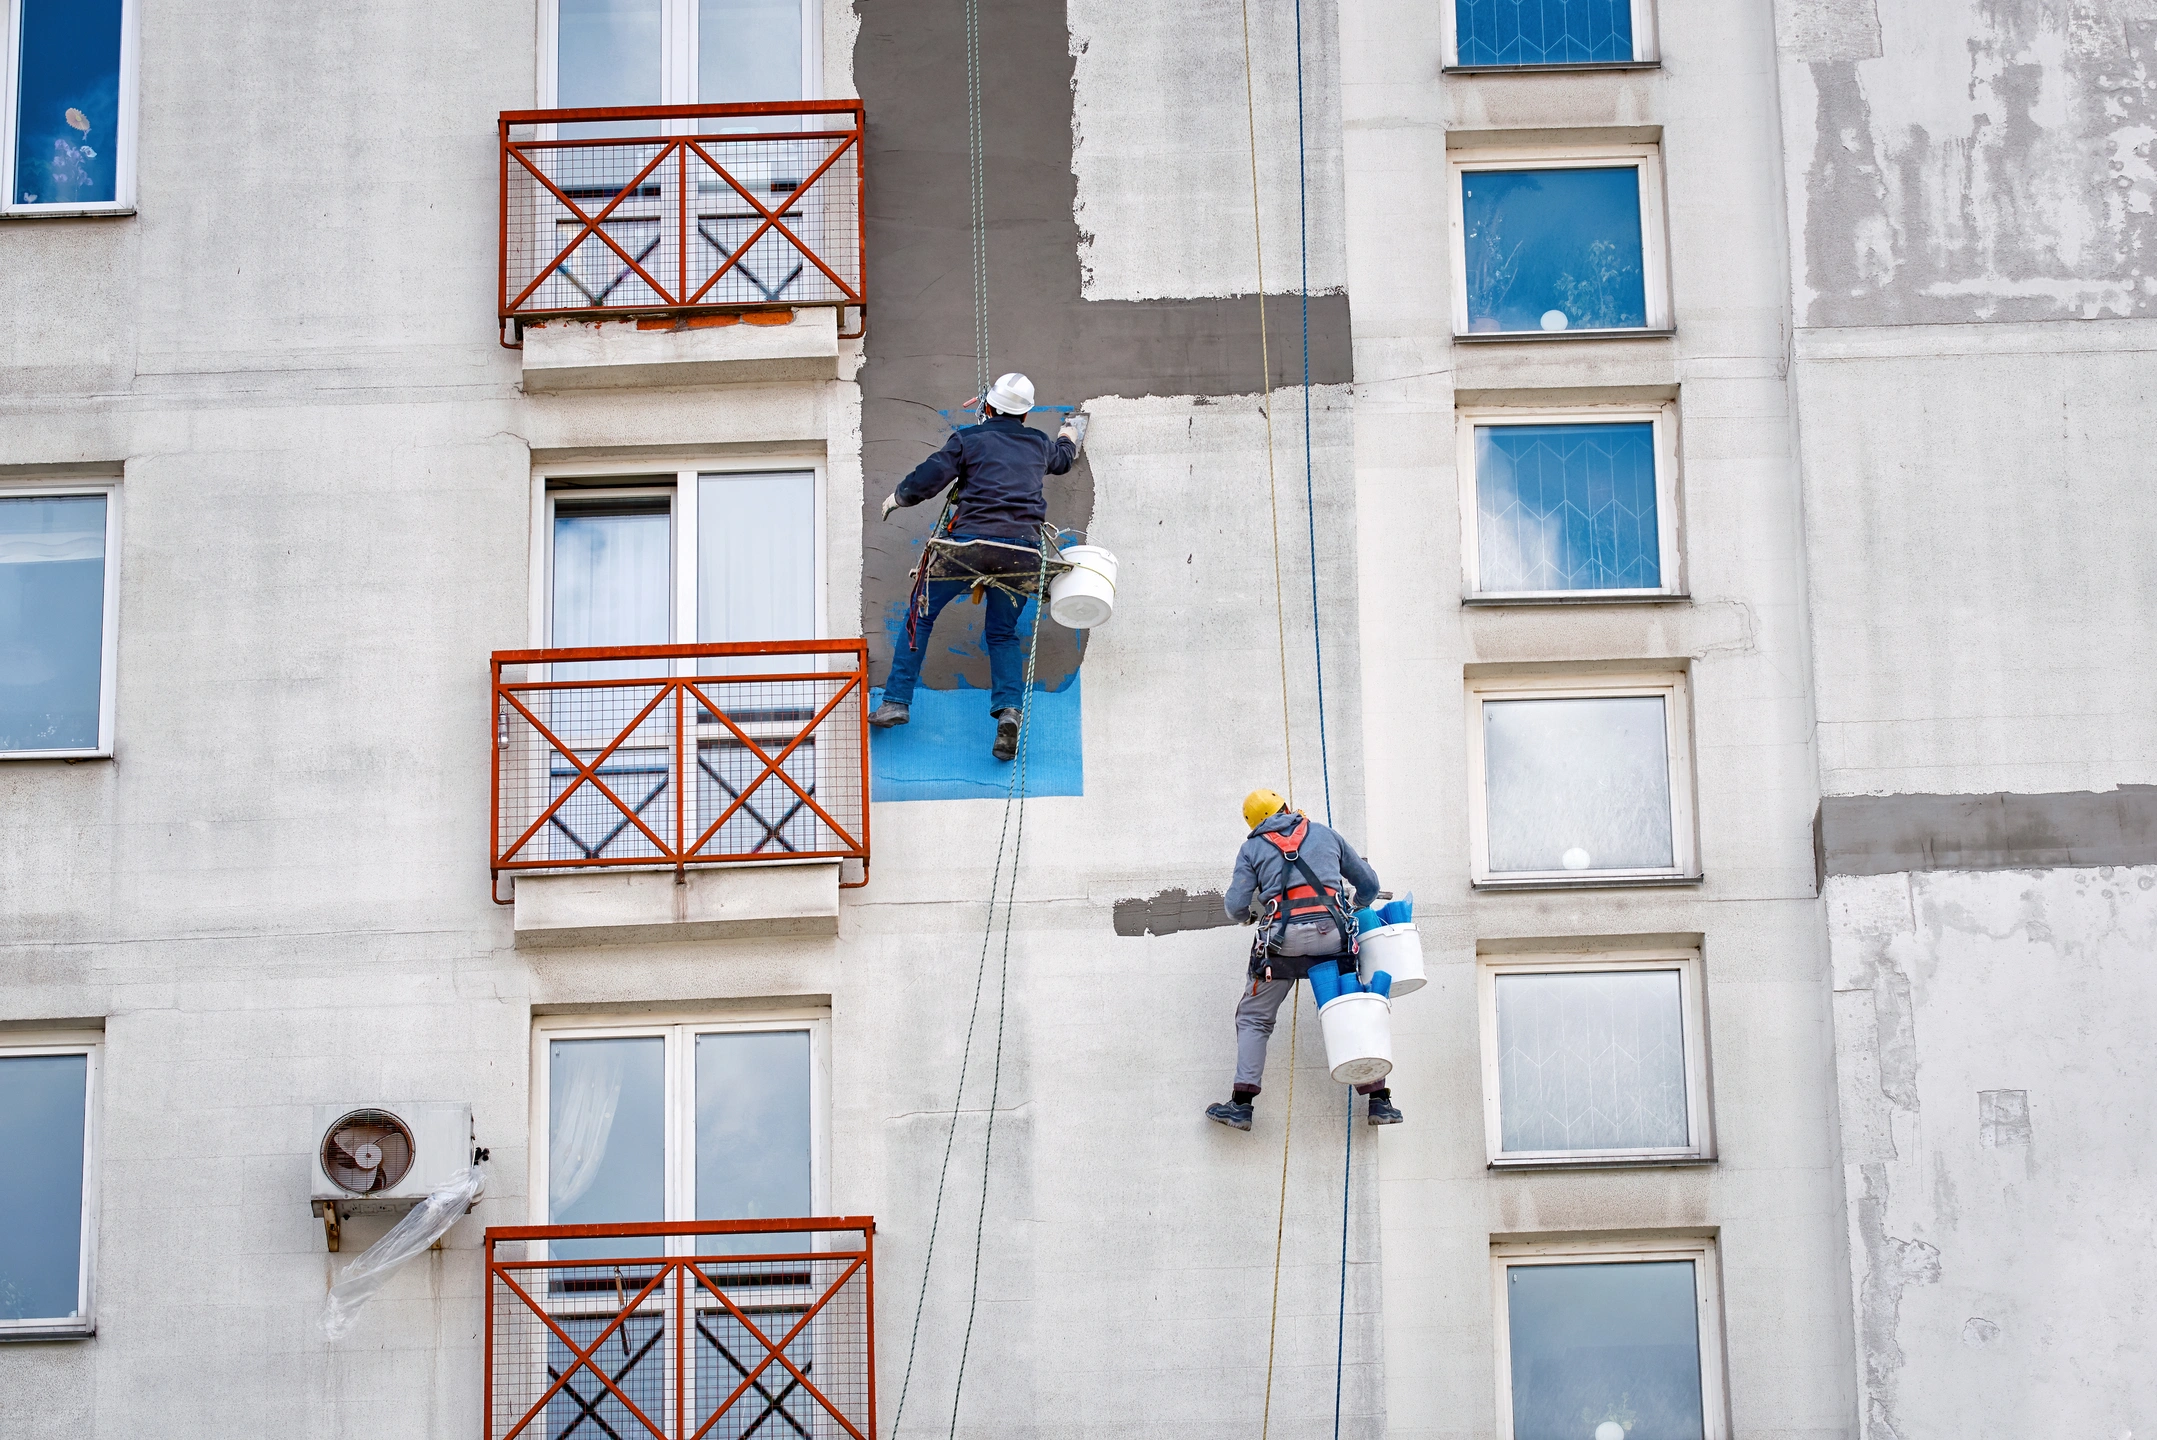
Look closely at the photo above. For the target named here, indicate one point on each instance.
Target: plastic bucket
(1359, 1037)
(1395, 949)
(1083, 597)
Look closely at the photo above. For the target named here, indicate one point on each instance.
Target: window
(67, 133)
(1569, 503)
(678, 52)
(1580, 780)
(711, 1120)
(58, 597)
(1558, 242)
(1594, 1058)
(1550, 34)
(1609, 1340)
(48, 1210)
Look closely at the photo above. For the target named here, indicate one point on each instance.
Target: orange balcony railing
(681, 210)
(681, 755)
(728, 1329)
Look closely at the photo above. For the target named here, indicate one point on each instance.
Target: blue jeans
(1007, 659)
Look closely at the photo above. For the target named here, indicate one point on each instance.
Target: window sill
(1592, 882)
(57, 1330)
(1519, 337)
(69, 756)
(1570, 67)
(1492, 602)
(645, 906)
(87, 212)
(1609, 1162)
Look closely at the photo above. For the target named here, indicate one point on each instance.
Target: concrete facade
(1905, 255)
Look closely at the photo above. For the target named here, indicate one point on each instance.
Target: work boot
(1231, 1114)
(1383, 1110)
(1007, 734)
(888, 714)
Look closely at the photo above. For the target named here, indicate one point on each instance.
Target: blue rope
(1318, 656)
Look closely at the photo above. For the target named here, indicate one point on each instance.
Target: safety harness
(1313, 900)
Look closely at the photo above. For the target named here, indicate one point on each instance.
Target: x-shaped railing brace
(592, 851)
(772, 1403)
(590, 1408)
(770, 828)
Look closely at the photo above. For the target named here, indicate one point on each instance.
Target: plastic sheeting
(425, 1223)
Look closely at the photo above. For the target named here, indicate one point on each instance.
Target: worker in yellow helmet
(1292, 880)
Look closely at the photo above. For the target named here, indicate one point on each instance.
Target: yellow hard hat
(1260, 804)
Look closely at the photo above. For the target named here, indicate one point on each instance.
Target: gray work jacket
(1262, 872)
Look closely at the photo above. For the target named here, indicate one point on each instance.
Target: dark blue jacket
(998, 464)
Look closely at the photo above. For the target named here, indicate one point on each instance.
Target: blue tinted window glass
(1543, 32)
(1553, 249)
(1610, 1344)
(41, 1115)
(67, 119)
(1566, 507)
(52, 621)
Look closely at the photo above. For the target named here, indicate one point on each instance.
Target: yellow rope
(1265, 399)
(1280, 1225)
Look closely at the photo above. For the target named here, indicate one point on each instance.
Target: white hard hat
(1012, 394)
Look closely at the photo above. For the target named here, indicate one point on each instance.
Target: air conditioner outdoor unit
(385, 1156)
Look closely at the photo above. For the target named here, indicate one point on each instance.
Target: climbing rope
(977, 180)
(1014, 791)
(1265, 400)
(1280, 1224)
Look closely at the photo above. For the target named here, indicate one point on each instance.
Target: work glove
(891, 503)
(1074, 430)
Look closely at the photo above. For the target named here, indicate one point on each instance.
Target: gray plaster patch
(2005, 177)
(2003, 1118)
(1978, 1332)
(909, 66)
(1169, 912)
(1889, 834)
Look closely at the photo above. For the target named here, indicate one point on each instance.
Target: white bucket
(1083, 597)
(1395, 949)
(1359, 1037)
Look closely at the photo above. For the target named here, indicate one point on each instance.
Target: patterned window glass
(1543, 32)
(1591, 1060)
(1577, 784)
(1551, 250)
(1566, 507)
(1605, 1349)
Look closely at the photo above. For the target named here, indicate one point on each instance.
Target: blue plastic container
(1368, 919)
(1396, 912)
(1325, 981)
(1381, 984)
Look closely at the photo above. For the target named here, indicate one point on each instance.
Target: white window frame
(1646, 51)
(1620, 1249)
(679, 1029)
(109, 661)
(678, 52)
(1699, 1123)
(123, 177)
(1654, 234)
(1663, 417)
(84, 1323)
(682, 489)
(1677, 743)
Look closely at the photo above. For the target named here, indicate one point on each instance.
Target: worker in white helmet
(1293, 879)
(999, 466)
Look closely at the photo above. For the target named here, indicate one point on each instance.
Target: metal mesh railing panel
(659, 769)
(654, 222)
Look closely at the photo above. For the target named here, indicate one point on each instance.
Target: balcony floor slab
(630, 907)
(616, 354)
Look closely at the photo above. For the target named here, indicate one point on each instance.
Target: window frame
(1674, 687)
(84, 1323)
(109, 661)
(1701, 1250)
(1669, 533)
(1647, 51)
(677, 52)
(682, 490)
(679, 1029)
(123, 165)
(1644, 158)
(1699, 1108)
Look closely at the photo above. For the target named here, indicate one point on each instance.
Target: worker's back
(1263, 870)
(999, 465)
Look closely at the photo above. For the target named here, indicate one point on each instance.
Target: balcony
(629, 780)
(722, 241)
(678, 1331)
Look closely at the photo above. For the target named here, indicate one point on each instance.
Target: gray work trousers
(1255, 1014)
